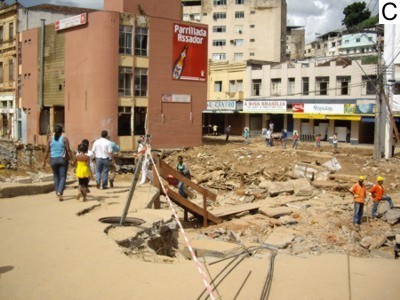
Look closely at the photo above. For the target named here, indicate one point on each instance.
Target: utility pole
(378, 102)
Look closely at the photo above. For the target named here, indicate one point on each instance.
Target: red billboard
(189, 52)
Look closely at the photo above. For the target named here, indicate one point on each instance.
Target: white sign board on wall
(266, 106)
(71, 22)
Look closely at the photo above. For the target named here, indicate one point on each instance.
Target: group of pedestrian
(359, 192)
(97, 162)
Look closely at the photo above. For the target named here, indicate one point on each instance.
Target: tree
(355, 13)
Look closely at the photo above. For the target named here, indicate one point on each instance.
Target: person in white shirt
(102, 149)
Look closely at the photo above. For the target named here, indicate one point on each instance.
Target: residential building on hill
(241, 29)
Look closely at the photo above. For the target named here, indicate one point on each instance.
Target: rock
(302, 187)
(280, 239)
(372, 242)
(276, 188)
(392, 216)
(383, 207)
(275, 212)
(287, 220)
(22, 180)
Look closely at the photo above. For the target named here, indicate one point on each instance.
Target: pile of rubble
(305, 206)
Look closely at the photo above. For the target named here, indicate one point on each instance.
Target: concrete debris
(275, 212)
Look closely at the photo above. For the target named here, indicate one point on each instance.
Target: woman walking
(60, 154)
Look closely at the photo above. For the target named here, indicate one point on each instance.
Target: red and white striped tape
(195, 259)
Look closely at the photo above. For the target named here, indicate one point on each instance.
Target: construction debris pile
(303, 198)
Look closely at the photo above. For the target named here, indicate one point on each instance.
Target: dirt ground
(57, 254)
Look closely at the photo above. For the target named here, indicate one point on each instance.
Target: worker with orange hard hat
(359, 192)
(378, 194)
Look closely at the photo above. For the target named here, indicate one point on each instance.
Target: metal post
(41, 64)
(131, 190)
(378, 106)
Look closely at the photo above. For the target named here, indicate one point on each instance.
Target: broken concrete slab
(301, 187)
(312, 172)
(372, 242)
(214, 248)
(280, 238)
(287, 220)
(275, 212)
(392, 216)
(276, 188)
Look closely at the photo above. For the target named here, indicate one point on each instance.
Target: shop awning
(343, 117)
(309, 116)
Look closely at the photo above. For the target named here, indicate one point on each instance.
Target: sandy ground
(48, 252)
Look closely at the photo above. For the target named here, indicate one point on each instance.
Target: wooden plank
(191, 207)
(167, 169)
(232, 210)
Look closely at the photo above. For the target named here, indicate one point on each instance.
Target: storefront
(222, 114)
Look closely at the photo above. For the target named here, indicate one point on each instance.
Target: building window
(238, 56)
(11, 70)
(140, 120)
(358, 40)
(237, 42)
(141, 41)
(11, 31)
(251, 54)
(219, 28)
(238, 2)
(276, 85)
(125, 81)
(219, 2)
(1, 34)
(368, 85)
(322, 85)
(252, 26)
(256, 87)
(252, 12)
(291, 86)
(333, 44)
(239, 14)
(342, 85)
(125, 39)
(141, 82)
(219, 42)
(124, 121)
(186, 17)
(346, 42)
(218, 86)
(305, 86)
(1, 72)
(219, 15)
(219, 56)
(235, 86)
(252, 40)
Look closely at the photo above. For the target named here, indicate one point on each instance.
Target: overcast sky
(317, 16)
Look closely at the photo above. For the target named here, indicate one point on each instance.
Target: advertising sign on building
(189, 52)
(176, 98)
(298, 107)
(350, 109)
(365, 107)
(221, 105)
(325, 109)
(265, 106)
(71, 22)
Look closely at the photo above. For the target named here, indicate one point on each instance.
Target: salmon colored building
(112, 70)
